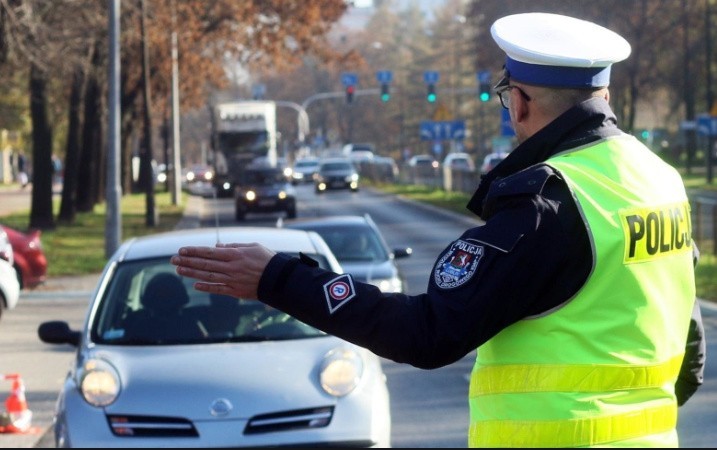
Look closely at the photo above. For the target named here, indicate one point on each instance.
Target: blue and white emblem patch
(339, 291)
(457, 265)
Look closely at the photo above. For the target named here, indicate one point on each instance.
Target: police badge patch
(338, 292)
(457, 265)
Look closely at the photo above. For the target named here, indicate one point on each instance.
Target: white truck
(243, 132)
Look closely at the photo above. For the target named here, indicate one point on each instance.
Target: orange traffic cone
(17, 417)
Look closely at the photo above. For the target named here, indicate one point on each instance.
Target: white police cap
(559, 51)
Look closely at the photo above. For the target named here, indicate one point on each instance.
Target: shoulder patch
(458, 264)
(339, 291)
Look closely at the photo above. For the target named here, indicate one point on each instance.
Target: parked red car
(30, 261)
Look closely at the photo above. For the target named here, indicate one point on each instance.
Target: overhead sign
(707, 125)
(506, 128)
(483, 76)
(384, 76)
(430, 77)
(450, 130)
(349, 79)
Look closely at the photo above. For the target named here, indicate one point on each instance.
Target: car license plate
(267, 202)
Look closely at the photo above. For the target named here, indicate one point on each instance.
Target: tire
(19, 276)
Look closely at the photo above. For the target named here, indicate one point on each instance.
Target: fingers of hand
(220, 253)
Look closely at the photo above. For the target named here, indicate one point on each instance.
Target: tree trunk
(68, 208)
(41, 214)
(87, 194)
(146, 171)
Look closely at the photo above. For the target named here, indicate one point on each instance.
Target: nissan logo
(220, 407)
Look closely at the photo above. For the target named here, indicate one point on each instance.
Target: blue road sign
(430, 76)
(349, 79)
(506, 129)
(483, 76)
(384, 76)
(450, 130)
(707, 125)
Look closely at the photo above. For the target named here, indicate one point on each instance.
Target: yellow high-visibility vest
(600, 370)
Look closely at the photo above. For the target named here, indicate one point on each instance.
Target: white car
(491, 160)
(459, 161)
(160, 364)
(9, 283)
(304, 170)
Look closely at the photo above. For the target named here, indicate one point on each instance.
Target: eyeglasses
(505, 100)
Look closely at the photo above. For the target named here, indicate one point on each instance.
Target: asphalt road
(66, 299)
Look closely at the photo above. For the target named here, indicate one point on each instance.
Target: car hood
(184, 381)
(366, 271)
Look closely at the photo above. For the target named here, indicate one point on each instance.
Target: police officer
(578, 292)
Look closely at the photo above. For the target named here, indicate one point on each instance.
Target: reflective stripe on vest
(566, 378)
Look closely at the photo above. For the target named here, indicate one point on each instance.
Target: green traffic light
(431, 97)
(645, 134)
(484, 96)
(385, 97)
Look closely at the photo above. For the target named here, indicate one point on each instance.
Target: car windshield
(305, 164)
(146, 303)
(265, 177)
(336, 166)
(354, 244)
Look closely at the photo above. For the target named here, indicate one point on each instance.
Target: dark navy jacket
(535, 256)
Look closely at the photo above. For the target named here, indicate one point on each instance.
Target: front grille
(290, 420)
(151, 426)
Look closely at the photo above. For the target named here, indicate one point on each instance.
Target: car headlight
(162, 177)
(250, 195)
(208, 176)
(282, 195)
(287, 172)
(341, 371)
(226, 186)
(99, 382)
(190, 176)
(388, 284)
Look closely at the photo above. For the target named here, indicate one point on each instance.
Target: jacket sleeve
(691, 374)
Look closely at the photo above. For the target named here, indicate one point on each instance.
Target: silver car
(360, 248)
(160, 364)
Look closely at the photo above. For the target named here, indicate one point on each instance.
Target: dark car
(336, 173)
(30, 261)
(265, 189)
(361, 249)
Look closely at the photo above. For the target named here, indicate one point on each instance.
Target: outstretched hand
(230, 269)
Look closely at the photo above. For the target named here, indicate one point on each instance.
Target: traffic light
(350, 89)
(431, 94)
(385, 92)
(484, 91)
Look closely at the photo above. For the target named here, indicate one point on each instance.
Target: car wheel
(19, 276)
